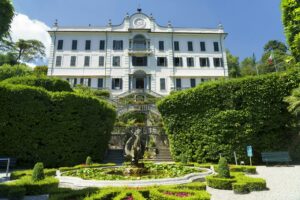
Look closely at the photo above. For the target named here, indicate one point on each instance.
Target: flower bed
(151, 171)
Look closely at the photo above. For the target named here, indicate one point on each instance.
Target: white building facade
(138, 54)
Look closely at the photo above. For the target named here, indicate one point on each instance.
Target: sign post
(250, 153)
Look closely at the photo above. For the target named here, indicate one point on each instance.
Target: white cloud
(23, 27)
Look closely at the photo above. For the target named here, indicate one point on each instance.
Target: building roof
(138, 21)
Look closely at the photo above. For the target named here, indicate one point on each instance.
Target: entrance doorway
(139, 84)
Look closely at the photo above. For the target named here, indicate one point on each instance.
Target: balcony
(139, 51)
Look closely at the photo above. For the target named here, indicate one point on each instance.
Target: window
(162, 61)
(60, 45)
(86, 61)
(190, 46)
(178, 83)
(102, 45)
(118, 45)
(204, 62)
(73, 82)
(162, 84)
(116, 61)
(100, 82)
(73, 61)
(139, 61)
(202, 46)
(178, 62)
(176, 46)
(193, 82)
(190, 62)
(81, 81)
(74, 44)
(161, 45)
(101, 61)
(116, 84)
(88, 45)
(216, 46)
(58, 61)
(218, 62)
(87, 82)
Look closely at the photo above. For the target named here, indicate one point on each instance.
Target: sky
(249, 23)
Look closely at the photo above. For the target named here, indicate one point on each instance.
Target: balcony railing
(139, 51)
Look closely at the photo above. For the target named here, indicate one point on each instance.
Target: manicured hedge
(58, 129)
(224, 116)
(220, 183)
(241, 168)
(166, 194)
(239, 182)
(50, 84)
(31, 188)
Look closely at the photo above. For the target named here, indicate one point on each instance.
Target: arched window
(139, 43)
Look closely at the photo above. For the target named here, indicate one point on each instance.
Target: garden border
(75, 182)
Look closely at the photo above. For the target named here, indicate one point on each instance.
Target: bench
(280, 156)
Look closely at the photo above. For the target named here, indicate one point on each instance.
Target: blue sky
(250, 23)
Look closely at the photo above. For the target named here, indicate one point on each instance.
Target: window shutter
(121, 83)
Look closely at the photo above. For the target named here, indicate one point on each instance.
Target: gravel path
(283, 184)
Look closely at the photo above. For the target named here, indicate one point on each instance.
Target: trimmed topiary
(88, 161)
(177, 194)
(38, 172)
(223, 168)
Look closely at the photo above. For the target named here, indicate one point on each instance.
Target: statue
(133, 147)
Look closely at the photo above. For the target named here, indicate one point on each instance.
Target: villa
(137, 55)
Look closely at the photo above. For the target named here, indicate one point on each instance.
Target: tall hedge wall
(50, 84)
(57, 128)
(225, 116)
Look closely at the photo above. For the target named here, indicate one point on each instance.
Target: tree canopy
(291, 22)
(233, 65)
(6, 17)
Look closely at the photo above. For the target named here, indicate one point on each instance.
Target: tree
(6, 17)
(294, 101)
(278, 51)
(27, 50)
(248, 67)
(291, 21)
(275, 45)
(233, 65)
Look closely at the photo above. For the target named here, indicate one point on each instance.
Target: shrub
(50, 84)
(246, 169)
(31, 187)
(240, 188)
(59, 128)
(88, 161)
(67, 194)
(38, 172)
(226, 115)
(94, 165)
(127, 194)
(192, 186)
(8, 71)
(16, 193)
(40, 70)
(223, 168)
(17, 174)
(175, 194)
(219, 183)
(253, 184)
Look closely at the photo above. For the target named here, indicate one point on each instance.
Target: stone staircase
(163, 155)
(114, 156)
